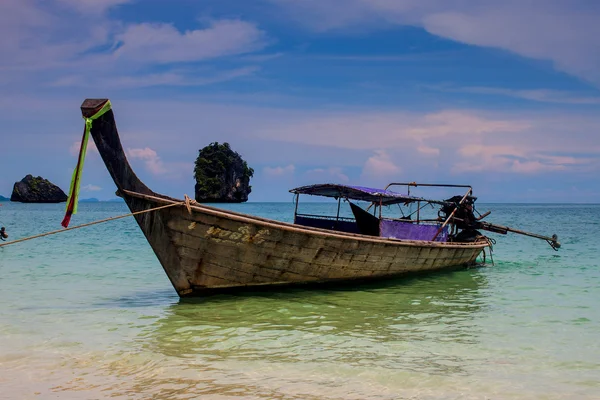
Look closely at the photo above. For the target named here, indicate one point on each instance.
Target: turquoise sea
(90, 314)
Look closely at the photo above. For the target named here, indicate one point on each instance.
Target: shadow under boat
(333, 286)
(393, 323)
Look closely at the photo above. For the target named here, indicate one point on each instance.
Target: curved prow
(105, 134)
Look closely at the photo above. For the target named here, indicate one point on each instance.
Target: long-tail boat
(205, 249)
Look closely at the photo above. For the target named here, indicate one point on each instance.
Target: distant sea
(90, 314)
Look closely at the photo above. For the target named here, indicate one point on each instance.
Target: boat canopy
(361, 193)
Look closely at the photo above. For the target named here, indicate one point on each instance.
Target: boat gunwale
(310, 230)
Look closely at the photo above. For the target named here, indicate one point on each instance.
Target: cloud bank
(563, 32)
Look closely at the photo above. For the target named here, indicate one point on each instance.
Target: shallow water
(90, 314)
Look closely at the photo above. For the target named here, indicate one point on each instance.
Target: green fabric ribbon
(73, 198)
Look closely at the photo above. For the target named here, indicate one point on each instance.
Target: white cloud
(144, 154)
(380, 168)
(553, 30)
(91, 188)
(533, 167)
(509, 158)
(151, 159)
(25, 29)
(563, 160)
(564, 32)
(540, 95)
(335, 174)
(275, 172)
(487, 151)
(461, 122)
(428, 151)
(174, 78)
(163, 43)
(394, 129)
(92, 6)
(75, 43)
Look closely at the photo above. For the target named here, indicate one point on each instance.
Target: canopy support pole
(452, 213)
(296, 208)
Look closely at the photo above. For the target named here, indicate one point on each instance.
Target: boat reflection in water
(370, 341)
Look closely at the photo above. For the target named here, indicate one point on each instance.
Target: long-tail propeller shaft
(552, 241)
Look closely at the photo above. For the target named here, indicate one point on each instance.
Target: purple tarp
(411, 231)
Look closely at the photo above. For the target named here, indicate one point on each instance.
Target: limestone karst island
(37, 190)
(222, 176)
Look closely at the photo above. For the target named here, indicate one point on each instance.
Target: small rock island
(37, 190)
(222, 176)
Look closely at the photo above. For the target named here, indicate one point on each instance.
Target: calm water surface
(90, 314)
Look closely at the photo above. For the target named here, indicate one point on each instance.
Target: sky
(504, 96)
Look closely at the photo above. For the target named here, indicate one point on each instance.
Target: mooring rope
(491, 242)
(187, 204)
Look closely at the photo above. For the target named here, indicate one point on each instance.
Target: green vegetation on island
(222, 176)
(37, 190)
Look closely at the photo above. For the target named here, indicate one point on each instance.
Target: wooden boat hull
(211, 250)
(207, 249)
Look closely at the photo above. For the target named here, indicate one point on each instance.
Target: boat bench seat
(327, 223)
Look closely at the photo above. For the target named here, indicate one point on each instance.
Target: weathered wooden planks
(215, 251)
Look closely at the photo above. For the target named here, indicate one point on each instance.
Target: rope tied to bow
(187, 204)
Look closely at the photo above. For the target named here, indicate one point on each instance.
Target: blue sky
(501, 95)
